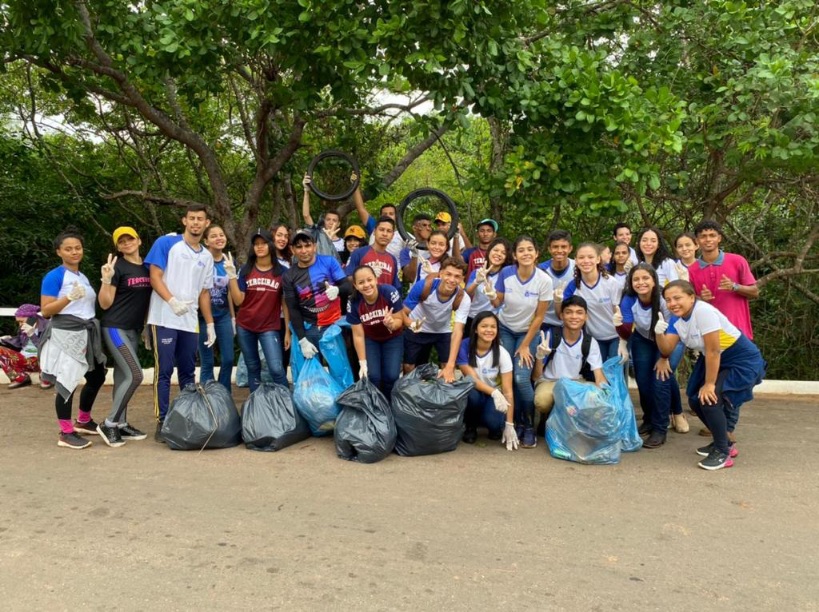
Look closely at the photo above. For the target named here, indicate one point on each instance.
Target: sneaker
(495, 435)
(158, 437)
(73, 441)
(470, 435)
(46, 385)
(23, 382)
(127, 432)
(680, 423)
(716, 461)
(519, 431)
(655, 440)
(110, 435)
(529, 439)
(89, 428)
(704, 451)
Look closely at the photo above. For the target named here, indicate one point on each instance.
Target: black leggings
(715, 416)
(94, 379)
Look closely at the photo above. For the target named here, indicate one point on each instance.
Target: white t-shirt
(480, 302)
(703, 319)
(634, 311)
(186, 273)
(484, 368)
(568, 360)
(520, 299)
(564, 277)
(461, 245)
(666, 272)
(438, 313)
(60, 281)
(601, 299)
(621, 278)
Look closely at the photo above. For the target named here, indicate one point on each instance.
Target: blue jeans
(657, 397)
(271, 347)
(608, 348)
(480, 410)
(384, 362)
(522, 377)
(224, 340)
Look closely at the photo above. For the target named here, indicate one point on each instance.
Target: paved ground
(143, 527)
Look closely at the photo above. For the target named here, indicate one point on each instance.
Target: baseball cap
(444, 217)
(302, 235)
(491, 222)
(124, 230)
(356, 231)
(261, 233)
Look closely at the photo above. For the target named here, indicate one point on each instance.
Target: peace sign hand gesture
(107, 269)
(545, 346)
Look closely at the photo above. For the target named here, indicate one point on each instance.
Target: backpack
(428, 289)
(585, 347)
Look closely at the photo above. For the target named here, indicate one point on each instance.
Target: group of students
(493, 311)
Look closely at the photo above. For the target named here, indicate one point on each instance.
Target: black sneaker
(89, 428)
(716, 461)
(131, 433)
(655, 440)
(704, 451)
(110, 435)
(73, 441)
(158, 437)
(470, 435)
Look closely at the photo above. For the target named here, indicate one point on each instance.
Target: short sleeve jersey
(558, 278)
(666, 272)
(568, 360)
(371, 316)
(703, 319)
(383, 264)
(395, 245)
(60, 281)
(133, 284)
(261, 309)
(219, 291)
(731, 304)
(481, 303)
(601, 298)
(475, 258)
(639, 314)
(485, 368)
(186, 272)
(436, 311)
(521, 298)
(307, 287)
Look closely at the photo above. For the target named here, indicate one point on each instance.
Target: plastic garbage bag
(584, 424)
(270, 421)
(314, 396)
(325, 246)
(365, 428)
(202, 416)
(334, 351)
(630, 440)
(429, 413)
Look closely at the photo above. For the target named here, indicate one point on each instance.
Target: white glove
(412, 244)
(211, 328)
(107, 269)
(425, 265)
(510, 437)
(77, 293)
(682, 271)
(233, 323)
(305, 182)
(489, 291)
(622, 351)
(179, 307)
(28, 330)
(481, 273)
(331, 291)
(628, 266)
(558, 295)
(308, 349)
(362, 369)
(416, 325)
(230, 266)
(661, 325)
(617, 317)
(501, 405)
(146, 337)
(545, 346)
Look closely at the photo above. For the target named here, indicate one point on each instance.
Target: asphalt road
(142, 527)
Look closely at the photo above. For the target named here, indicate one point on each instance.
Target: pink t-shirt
(733, 305)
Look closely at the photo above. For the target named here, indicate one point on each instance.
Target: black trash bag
(365, 428)
(429, 413)
(202, 416)
(270, 421)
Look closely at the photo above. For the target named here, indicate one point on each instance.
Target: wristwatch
(735, 287)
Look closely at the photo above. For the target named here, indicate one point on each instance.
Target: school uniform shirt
(306, 286)
(639, 314)
(371, 316)
(384, 265)
(632, 256)
(564, 276)
(395, 245)
(60, 281)
(438, 312)
(475, 257)
(702, 320)
(186, 272)
(486, 371)
(133, 285)
(481, 303)
(568, 360)
(406, 259)
(461, 244)
(521, 298)
(621, 278)
(261, 309)
(730, 303)
(666, 272)
(601, 298)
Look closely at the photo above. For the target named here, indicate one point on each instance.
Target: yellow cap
(357, 231)
(124, 231)
(444, 216)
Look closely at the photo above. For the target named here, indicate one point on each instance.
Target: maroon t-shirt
(261, 310)
(371, 316)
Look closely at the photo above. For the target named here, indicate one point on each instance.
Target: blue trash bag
(365, 428)
(314, 396)
(334, 352)
(584, 425)
(241, 370)
(630, 440)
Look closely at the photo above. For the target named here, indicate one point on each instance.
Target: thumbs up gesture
(545, 346)
(726, 284)
(77, 292)
(617, 317)
(661, 325)
(107, 269)
(331, 291)
(705, 293)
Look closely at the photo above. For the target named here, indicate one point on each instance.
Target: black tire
(334, 197)
(420, 193)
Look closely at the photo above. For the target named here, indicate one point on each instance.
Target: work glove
(661, 325)
(501, 405)
(230, 266)
(211, 330)
(544, 348)
(77, 293)
(180, 307)
(107, 269)
(331, 291)
(308, 349)
(510, 437)
(416, 325)
(622, 351)
(617, 317)
(362, 369)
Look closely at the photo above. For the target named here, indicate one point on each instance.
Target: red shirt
(261, 310)
(730, 303)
